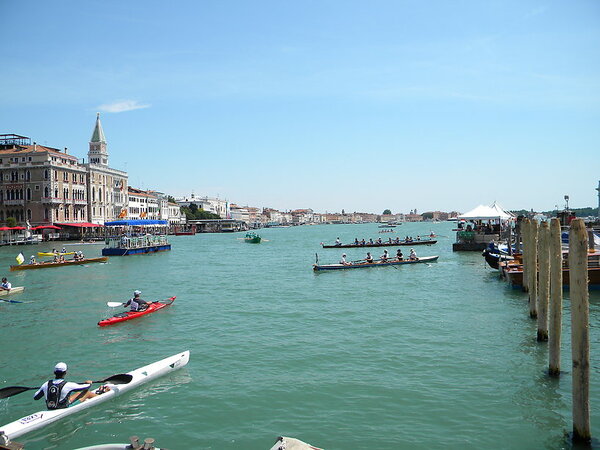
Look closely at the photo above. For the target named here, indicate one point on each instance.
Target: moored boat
(140, 376)
(133, 237)
(389, 262)
(129, 315)
(394, 242)
(71, 262)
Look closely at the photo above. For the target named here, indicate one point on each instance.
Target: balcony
(80, 202)
(52, 200)
(20, 202)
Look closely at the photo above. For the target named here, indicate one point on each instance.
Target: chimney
(66, 150)
(34, 147)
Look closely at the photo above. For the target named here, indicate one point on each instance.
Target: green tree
(11, 222)
(387, 212)
(171, 199)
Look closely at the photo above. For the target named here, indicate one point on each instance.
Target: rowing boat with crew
(70, 262)
(380, 263)
(392, 243)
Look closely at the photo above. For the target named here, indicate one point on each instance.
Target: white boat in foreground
(140, 376)
(287, 443)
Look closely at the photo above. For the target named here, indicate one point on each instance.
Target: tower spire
(98, 135)
(98, 153)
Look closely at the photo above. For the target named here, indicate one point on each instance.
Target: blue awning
(125, 223)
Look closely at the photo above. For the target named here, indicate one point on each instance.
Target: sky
(329, 104)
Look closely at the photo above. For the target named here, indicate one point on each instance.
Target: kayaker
(5, 286)
(60, 393)
(137, 304)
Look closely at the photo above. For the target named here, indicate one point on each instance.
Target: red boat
(122, 317)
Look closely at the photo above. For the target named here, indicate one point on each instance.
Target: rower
(413, 255)
(343, 261)
(5, 286)
(60, 393)
(369, 258)
(32, 259)
(399, 254)
(137, 304)
(385, 256)
(355, 241)
(338, 242)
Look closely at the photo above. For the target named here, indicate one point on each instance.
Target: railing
(80, 202)
(14, 202)
(52, 200)
(137, 241)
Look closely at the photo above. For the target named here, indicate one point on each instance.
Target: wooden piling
(524, 255)
(580, 338)
(556, 292)
(532, 270)
(543, 299)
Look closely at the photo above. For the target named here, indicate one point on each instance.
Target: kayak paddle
(114, 304)
(10, 301)
(122, 378)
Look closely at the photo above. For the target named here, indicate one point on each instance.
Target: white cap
(136, 292)
(60, 367)
(344, 254)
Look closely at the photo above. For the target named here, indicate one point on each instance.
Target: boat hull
(425, 259)
(383, 244)
(140, 376)
(46, 265)
(130, 315)
(116, 251)
(15, 290)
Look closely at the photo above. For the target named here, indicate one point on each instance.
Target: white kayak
(287, 443)
(140, 376)
(15, 290)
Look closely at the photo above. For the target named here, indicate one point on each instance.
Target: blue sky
(330, 105)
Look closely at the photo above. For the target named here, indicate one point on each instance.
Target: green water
(430, 356)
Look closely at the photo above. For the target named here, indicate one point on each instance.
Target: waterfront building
(142, 205)
(107, 187)
(213, 205)
(302, 216)
(40, 185)
(413, 217)
(175, 217)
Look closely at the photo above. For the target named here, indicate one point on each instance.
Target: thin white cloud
(122, 106)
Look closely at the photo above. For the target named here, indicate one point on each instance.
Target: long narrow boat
(70, 262)
(122, 317)
(140, 376)
(55, 254)
(390, 262)
(15, 290)
(382, 244)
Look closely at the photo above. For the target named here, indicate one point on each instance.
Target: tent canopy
(482, 212)
(80, 225)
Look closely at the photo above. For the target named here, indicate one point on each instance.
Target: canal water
(426, 356)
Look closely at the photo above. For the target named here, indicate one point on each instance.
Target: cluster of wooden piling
(542, 278)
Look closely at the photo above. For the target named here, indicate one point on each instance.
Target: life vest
(53, 395)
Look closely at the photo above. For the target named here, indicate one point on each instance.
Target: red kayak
(122, 317)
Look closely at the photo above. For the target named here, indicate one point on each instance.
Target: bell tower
(97, 153)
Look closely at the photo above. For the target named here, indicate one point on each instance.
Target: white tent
(482, 212)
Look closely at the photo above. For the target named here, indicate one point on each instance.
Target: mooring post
(580, 337)
(533, 269)
(556, 292)
(525, 254)
(543, 250)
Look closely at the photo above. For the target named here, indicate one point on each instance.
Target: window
(28, 193)
(28, 175)
(45, 174)
(37, 187)
(46, 192)
(46, 215)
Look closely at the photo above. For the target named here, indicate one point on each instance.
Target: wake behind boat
(140, 376)
(362, 265)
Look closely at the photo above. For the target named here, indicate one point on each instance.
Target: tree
(387, 212)
(171, 199)
(11, 222)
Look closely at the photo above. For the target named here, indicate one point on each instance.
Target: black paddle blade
(122, 378)
(13, 390)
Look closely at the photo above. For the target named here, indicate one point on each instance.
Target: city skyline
(327, 106)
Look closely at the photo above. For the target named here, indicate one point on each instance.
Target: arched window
(46, 214)
(45, 174)
(46, 192)
(28, 176)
